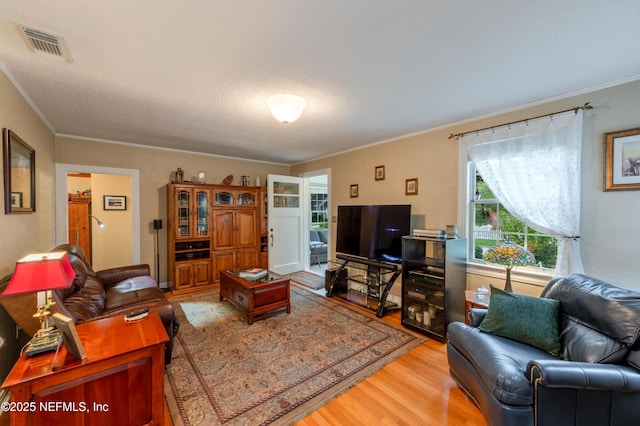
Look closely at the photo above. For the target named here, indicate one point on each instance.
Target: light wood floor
(415, 389)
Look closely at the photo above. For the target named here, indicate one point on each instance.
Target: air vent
(42, 42)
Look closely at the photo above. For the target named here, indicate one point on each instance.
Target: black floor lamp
(157, 225)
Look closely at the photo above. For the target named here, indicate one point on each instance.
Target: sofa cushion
(87, 302)
(323, 236)
(501, 362)
(600, 306)
(132, 292)
(581, 343)
(527, 319)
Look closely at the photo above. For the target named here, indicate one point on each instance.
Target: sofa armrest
(111, 277)
(583, 375)
(476, 315)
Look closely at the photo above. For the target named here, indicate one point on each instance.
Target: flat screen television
(374, 232)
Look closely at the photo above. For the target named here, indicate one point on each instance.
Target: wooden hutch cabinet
(211, 228)
(189, 236)
(235, 228)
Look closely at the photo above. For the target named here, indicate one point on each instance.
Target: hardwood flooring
(415, 389)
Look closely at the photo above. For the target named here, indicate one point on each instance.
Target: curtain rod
(583, 107)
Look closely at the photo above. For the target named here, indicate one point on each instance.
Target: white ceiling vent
(39, 41)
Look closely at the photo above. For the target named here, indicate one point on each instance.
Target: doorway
(317, 211)
(121, 223)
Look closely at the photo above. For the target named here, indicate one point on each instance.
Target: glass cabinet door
(184, 213)
(246, 199)
(223, 198)
(202, 227)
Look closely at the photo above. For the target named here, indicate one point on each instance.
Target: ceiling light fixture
(286, 108)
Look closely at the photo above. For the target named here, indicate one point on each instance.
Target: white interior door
(286, 220)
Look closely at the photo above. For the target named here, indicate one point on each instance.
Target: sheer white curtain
(533, 169)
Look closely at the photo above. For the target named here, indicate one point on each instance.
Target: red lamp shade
(40, 272)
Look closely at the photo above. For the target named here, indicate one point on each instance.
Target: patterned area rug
(308, 279)
(276, 371)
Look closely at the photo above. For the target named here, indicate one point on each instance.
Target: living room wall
(610, 232)
(155, 168)
(24, 233)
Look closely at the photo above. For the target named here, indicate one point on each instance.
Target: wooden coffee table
(259, 298)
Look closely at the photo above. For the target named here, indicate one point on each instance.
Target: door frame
(307, 215)
(62, 213)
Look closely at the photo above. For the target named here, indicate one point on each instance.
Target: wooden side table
(120, 382)
(470, 301)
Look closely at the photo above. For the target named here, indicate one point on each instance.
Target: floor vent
(39, 41)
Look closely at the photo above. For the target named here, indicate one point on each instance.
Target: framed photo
(622, 160)
(379, 172)
(353, 192)
(115, 202)
(411, 186)
(69, 335)
(16, 199)
(19, 174)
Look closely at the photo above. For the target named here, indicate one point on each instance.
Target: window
(491, 223)
(319, 211)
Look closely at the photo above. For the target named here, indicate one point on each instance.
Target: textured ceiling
(194, 75)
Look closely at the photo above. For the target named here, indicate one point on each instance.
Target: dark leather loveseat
(594, 381)
(99, 294)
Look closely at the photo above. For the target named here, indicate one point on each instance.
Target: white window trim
(519, 274)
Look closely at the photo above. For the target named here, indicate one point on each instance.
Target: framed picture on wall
(379, 172)
(622, 160)
(353, 192)
(411, 186)
(115, 202)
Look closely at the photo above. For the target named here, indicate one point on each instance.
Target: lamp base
(44, 342)
(507, 284)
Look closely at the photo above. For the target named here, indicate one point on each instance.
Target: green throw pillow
(527, 319)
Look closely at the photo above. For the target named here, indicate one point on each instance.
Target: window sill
(521, 275)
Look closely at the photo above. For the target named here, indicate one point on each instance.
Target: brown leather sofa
(99, 294)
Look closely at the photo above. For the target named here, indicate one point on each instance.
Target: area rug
(276, 371)
(308, 279)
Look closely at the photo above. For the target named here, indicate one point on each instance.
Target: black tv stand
(372, 281)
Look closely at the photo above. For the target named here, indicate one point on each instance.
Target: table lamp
(509, 254)
(41, 273)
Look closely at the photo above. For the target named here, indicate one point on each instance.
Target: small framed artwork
(16, 199)
(411, 186)
(379, 172)
(115, 202)
(353, 191)
(622, 160)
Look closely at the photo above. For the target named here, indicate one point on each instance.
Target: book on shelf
(252, 273)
